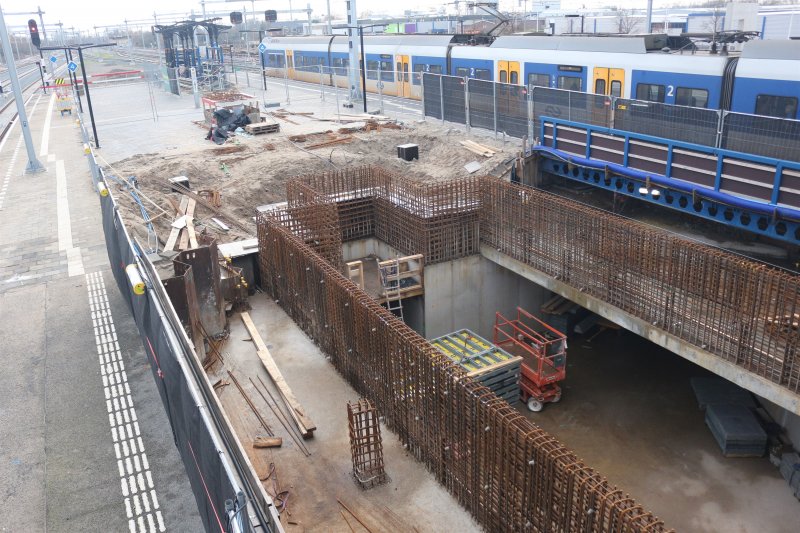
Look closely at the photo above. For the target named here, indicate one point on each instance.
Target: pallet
(262, 127)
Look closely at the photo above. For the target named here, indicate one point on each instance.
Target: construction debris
(479, 149)
(472, 167)
(331, 142)
(282, 418)
(366, 446)
(212, 196)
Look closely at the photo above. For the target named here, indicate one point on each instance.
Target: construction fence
(516, 110)
(212, 459)
(508, 473)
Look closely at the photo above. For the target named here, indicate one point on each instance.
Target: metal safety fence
(510, 474)
(516, 110)
(228, 494)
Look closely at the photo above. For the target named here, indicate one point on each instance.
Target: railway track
(11, 101)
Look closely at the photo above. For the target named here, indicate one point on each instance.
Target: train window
(691, 97)
(405, 72)
(462, 72)
(372, 70)
(599, 86)
(503, 76)
(340, 66)
(650, 92)
(386, 71)
(570, 83)
(275, 60)
(423, 68)
(776, 106)
(514, 77)
(539, 80)
(616, 88)
(483, 74)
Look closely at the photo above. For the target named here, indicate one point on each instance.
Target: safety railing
(516, 110)
(228, 493)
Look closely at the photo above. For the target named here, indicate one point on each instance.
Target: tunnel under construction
(722, 311)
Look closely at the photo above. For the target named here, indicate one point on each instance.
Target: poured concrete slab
(412, 499)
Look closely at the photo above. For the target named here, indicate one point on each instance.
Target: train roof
(381, 39)
(624, 45)
(771, 49)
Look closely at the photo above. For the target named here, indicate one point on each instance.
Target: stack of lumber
(479, 149)
(484, 362)
(736, 430)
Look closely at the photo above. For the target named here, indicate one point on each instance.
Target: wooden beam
(267, 442)
(303, 421)
(173, 235)
(190, 223)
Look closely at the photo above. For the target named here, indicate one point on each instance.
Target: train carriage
(614, 66)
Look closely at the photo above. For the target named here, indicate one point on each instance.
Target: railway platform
(86, 445)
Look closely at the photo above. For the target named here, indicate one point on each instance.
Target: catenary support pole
(33, 164)
(88, 98)
(363, 68)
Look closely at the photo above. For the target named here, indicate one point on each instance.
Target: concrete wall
(467, 292)
(788, 421)
(357, 249)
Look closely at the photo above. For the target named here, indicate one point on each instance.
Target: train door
(508, 72)
(609, 81)
(402, 76)
(290, 63)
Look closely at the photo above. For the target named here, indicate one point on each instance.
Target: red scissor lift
(544, 356)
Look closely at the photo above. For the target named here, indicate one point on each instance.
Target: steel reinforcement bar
(508, 473)
(742, 311)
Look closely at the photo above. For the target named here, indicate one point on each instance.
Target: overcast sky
(88, 13)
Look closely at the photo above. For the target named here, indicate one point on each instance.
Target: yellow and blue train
(764, 79)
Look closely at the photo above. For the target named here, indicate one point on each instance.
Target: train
(762, 79)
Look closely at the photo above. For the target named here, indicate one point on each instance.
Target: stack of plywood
(484, 362)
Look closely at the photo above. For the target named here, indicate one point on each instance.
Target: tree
(626, 21)
(715, 20)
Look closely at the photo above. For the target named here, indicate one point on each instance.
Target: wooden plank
(299, 415)
(183, 242)
(190, 234)
(267, 442)
(190, 231)
(175, 233)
